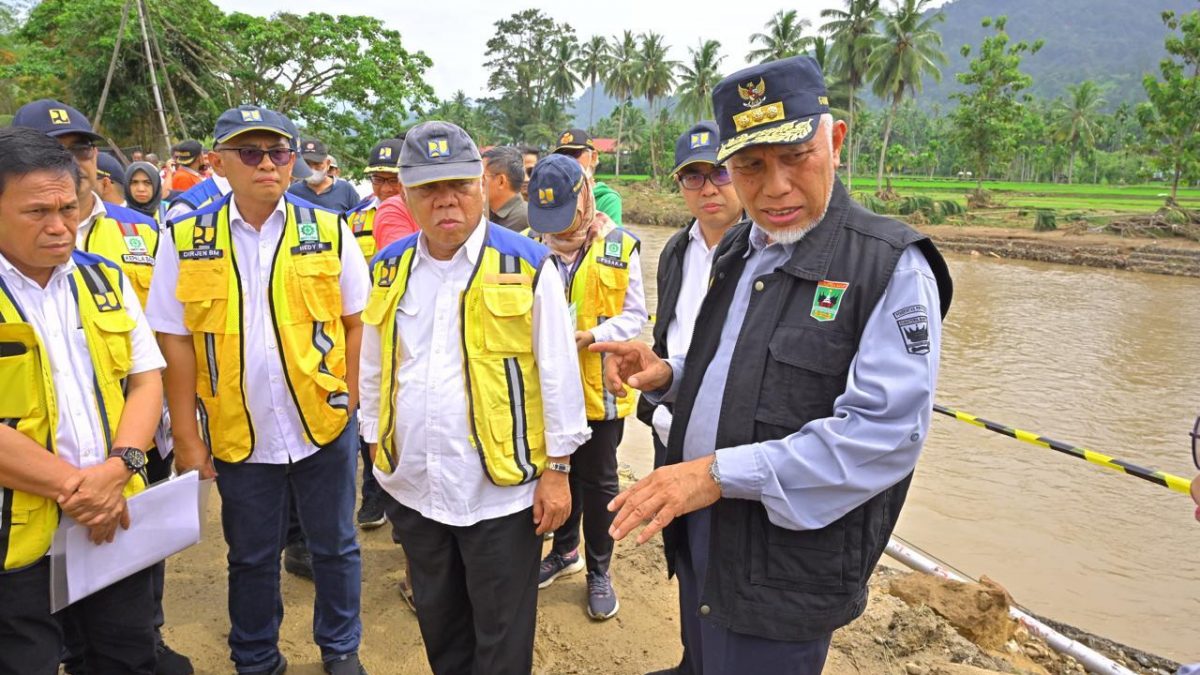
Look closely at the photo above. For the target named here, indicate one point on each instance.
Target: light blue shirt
(831, 465)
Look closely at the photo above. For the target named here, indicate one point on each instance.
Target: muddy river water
(1104, 359)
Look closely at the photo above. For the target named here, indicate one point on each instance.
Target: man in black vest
(811, 374)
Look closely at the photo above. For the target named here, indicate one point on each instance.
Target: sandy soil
(892, 637)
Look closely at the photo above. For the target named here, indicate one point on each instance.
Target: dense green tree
(1076, 118)
(473, 116)
(656, 80)
(622, 81)
(520, 61)
(853, 33)
(784, 37)
(594, 57)
(988, 116)
(1172, 115)
(697, 77)
(563, 79)
(908, 50)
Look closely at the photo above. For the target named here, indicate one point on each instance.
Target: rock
(978, 611)
(1033, 651)
(915, 669)
(1012, 647)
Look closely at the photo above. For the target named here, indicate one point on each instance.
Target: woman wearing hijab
(143, 184)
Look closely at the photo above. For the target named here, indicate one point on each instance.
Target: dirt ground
(892, 637)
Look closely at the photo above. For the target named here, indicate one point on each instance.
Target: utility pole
(112, 65)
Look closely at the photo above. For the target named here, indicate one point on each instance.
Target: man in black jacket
(804, 399)
(686, 259)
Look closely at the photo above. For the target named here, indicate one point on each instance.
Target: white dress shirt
(697, 262)
(628, 324)
(279, 437)
(54, 315)
(86, 224)
(180, 209)
(439, 474)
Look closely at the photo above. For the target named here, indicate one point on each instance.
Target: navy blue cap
(554, 188)
(54, 119)
(385, 156)
(698, 144)
(575, 139)
(313, 150)
(775, 102)
(436, 151)
(244, 118)
(110, 167)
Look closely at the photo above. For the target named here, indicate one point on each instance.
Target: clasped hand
(93, 497)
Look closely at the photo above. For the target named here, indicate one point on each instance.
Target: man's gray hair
(508, 160)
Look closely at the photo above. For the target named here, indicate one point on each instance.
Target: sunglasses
(254, 156)
(382, 181)
(694, 180)
(1196, 443)
(82, 151)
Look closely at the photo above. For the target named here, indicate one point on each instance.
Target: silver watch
(559, 467)
(715, 473)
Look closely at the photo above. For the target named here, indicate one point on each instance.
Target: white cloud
(455, 34)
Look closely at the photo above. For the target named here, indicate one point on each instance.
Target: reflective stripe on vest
(131, 245)
(28, 402)
(362, 224)
(305, 302)
(503, 385)
(597, 294)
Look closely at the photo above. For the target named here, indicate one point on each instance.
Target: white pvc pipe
(1094, 661)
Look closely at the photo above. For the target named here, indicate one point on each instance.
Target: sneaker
(555, 566)
(171, 662)
(345, 665)
(298, 561)
(371, 515)
(602, 599)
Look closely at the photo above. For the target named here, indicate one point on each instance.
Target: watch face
(137, 458)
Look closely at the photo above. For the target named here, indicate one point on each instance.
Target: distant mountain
(606, 104)
(1109, 41)
(1114, 42)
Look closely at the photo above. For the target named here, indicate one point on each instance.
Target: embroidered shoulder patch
(913, 322)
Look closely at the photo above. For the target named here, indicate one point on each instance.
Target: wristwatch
(714, 473)
(135, 459)
(559, 467)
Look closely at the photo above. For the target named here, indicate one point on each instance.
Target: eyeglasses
(83, 151)
(383, 181)
(254, 156)
(694, 180)
(1196, 443)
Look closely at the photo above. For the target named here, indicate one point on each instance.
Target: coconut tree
(563, 81)
(853, 34)
(697, 79)
(784, 37)
(621, 80)
(907, 51)
(655, 80)
(1076, 118)
(593, 60)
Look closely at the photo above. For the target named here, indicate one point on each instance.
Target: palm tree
(784, 37)
(621, 79)
(697, 79)
(1076, 119)
(853, 34)
(563, 81)
(907, 50)
(593, 60)
(655, 80)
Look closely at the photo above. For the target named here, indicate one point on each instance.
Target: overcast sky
(454, 34)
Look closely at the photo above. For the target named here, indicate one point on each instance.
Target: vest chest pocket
(611, 289)
(317, 288)
(805, 371)
(507, 319)
(20, 372)
(203, 288)
(139, 277)
(113, 329)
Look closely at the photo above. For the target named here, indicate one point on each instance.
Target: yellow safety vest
(362, 223)
(28, 402)
(306, 312)
(129, 239)
(597, 294)
(504, 392)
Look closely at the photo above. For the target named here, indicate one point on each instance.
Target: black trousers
(475, 589)
(593, 481)
(115, 625)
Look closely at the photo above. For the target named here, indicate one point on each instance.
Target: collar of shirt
(86, 224)
(471, 248)
(696, 234)
(10, 273)
(222, 184)
(760, 240)
(374, 203)
(276, 218)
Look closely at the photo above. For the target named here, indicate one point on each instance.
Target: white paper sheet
(164, 520)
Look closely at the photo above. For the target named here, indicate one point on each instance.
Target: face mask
(316, 178)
